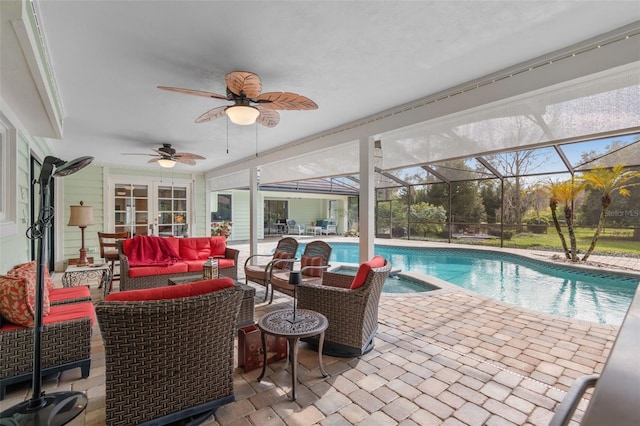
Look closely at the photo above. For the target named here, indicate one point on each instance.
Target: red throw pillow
(32, 267)
(363, 271)
(311, 261)
(28, 271)
(279, 254)
(173, 291)
(14, 301)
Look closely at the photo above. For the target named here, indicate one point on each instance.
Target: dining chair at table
(109, 249)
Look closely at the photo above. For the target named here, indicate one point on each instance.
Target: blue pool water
(555, 289)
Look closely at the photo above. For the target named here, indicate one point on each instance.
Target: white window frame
(8, 183)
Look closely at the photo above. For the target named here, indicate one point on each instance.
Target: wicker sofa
(193, 252)
(169, 351)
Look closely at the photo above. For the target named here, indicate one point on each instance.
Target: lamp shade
(81, 215)
(242, 114)
(295, 277)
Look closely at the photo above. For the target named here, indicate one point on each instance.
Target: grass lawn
(551, 241)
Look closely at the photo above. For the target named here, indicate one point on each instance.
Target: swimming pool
(555, 289)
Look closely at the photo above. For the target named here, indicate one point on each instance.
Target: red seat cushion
(60, 313)
(363, 271)
(67, 293)
(311, 261)
(145, 271)
(195, 265)
(172, 292)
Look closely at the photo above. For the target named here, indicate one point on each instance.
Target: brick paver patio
(446, 358)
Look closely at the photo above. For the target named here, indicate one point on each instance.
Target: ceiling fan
(168, 157)
(249, 105)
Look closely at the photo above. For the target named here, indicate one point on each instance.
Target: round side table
(281, 323)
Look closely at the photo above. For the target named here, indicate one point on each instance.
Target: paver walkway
(448, 358)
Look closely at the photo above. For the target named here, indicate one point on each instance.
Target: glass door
(172, 210)
(132, 209)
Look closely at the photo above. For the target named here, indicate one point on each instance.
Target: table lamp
(295, 278)
(81, 216)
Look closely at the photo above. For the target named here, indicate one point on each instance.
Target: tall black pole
(58, 408)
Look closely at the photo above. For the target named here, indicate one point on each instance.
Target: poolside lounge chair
(313, 262)
(351, 306)
(294, 228)
(285, 249)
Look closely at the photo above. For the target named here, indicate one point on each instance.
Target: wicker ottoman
(245, 315)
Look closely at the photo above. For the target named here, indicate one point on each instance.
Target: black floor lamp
(61, 407)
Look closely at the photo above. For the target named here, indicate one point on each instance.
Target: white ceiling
(352, 58)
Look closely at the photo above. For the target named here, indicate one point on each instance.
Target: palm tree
(565, 192)
(553, 189)
(607, 181)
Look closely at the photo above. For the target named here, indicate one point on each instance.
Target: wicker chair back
(259, 273)
(168, 359)
(352, 314)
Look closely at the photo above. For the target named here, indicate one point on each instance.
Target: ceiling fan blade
(244, 81)
(193, 92)
(189, 156)
(268, 117)
(212, 114)
(285, 100)
(188, 161)
(153, 160)
(136, 153)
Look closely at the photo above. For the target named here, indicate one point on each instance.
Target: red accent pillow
(363, 271)
(32, 268)
(17, 300)
(218, 246)
(279, 254)
(173, 291)
(311, 261)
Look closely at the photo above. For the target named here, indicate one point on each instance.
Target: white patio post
(254, 203)
(367, 200)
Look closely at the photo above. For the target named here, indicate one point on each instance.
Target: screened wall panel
(604, 102)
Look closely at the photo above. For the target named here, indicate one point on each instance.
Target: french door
(147, 207)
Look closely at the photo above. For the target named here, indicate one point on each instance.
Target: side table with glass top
(281, 324)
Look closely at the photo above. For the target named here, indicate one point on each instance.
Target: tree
(565, 192)
(607, 181)
(426, 218)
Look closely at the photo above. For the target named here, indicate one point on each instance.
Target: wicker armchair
(352, 314)
(279, 278)
(260, 273)
(168, 359)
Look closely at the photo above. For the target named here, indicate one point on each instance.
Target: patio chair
(109, 249)
(285, 249)
(169, 351)
(313, 262)
(351, 306)
(294, 228)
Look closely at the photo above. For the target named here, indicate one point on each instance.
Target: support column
(254, 204)
(366, 205)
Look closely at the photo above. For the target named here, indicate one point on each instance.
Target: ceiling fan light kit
(166, 163)
(249, 104)
(242, 115)
(167, 157)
